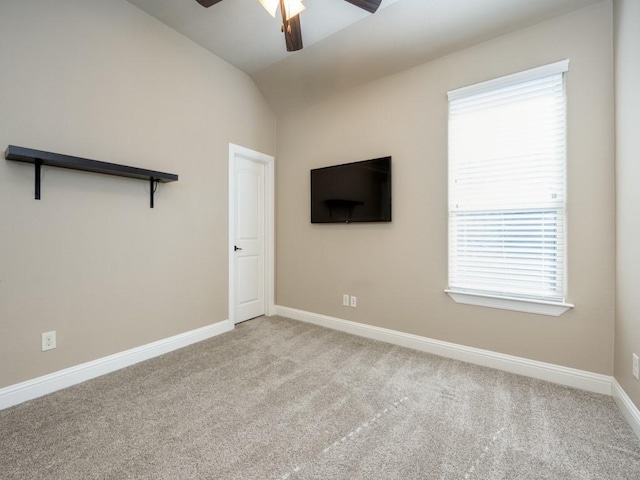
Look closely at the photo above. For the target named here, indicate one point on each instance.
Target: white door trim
(268, 161)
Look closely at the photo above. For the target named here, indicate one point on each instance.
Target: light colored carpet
(279, 399)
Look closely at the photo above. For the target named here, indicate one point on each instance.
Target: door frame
(236, 151)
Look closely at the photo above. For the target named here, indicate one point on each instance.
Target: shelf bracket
(153, 186)
(38, 170)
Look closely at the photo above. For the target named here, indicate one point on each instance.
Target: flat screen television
(352, 192)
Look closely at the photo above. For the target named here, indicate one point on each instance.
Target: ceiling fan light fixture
(292, 8)
(270, 6)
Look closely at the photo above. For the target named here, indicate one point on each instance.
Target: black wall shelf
(39, 158)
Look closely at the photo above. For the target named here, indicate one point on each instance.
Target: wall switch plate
(353, 301)
(636, 367)
(48, 341)
(345, 300)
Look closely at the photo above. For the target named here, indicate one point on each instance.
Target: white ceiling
(344, 45)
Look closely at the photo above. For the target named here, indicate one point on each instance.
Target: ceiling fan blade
(368, 5)
(292, 31)
(208, 3)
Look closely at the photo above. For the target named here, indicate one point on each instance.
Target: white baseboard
(626, 406)
(571, 377)
(21, 392)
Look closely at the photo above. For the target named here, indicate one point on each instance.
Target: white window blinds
(507, 186)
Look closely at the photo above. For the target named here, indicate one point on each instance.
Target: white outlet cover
(48, 341)
(353, 301)
(345, 300)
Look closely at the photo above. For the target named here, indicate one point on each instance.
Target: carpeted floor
(279, 399)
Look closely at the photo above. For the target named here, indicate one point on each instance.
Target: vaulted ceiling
(344, 46)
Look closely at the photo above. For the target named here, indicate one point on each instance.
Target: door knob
(236, 248)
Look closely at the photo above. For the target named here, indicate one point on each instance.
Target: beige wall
(627, 339)
(91, 260)
(398, 271)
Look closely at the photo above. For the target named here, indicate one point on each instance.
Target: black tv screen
(353, 192)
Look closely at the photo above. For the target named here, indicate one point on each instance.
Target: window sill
(554, 309)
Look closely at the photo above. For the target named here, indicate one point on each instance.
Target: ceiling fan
(290, 10)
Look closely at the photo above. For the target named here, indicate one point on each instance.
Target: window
(507, 192)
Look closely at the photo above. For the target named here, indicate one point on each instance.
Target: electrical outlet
(636, 367)
(48, 341)
(353, 301)
(345, 300)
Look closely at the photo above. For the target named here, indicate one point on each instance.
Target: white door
(249, 242)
